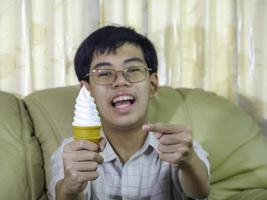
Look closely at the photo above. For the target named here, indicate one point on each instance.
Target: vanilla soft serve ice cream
(85, 113)
(86, 122)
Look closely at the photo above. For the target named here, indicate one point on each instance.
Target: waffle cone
(91, 133)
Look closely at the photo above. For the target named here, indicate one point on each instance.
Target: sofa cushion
(235, 144)
(237, 147)
(21, 169)
(254, 194)
(52, 112)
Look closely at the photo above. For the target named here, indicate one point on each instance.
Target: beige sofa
(33, 127)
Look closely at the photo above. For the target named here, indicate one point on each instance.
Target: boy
(136, 160)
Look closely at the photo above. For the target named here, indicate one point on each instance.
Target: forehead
(125, 51)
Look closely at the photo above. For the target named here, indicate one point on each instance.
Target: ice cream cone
(91, 133)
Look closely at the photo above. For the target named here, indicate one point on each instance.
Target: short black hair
(108, 39)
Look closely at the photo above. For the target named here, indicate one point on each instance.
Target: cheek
(100, 100)
(100, 97)
(101, 106)
(145, 96)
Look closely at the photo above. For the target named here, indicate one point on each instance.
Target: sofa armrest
(21, 172)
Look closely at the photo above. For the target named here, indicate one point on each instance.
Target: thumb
(102, 143)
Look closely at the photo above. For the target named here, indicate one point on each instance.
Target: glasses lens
(103, 76)
(132, 74)
(135, 73)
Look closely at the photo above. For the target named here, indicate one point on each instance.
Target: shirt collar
(108, 153)
(152, 141)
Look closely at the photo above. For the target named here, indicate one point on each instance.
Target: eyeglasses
(133, 74)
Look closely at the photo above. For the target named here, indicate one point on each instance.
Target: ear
(84, 83)
(154, 86)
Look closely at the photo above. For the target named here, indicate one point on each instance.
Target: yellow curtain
(211, 44)
(38, 40)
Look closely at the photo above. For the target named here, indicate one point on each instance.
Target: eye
(104, 73)
(133, 69)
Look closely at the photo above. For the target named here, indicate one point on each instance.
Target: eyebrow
(101, 64)
(134, 59)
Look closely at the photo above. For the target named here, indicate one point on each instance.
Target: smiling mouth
(122, 101)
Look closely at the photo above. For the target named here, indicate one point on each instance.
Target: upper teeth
(122, 98)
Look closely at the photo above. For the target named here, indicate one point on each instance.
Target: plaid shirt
(143, 177)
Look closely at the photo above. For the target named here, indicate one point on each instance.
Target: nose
(120, 80)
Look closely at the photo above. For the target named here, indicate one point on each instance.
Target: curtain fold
(211, 44)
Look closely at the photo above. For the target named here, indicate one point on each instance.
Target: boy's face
(122, 104)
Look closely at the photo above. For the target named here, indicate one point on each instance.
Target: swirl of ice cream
(85, 113)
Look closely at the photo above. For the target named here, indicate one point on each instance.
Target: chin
(126, 123)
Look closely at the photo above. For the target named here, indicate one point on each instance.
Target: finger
(170, 157)
(83, 155)
(80, 145)
(166, 128)
(181, 149)
(89, 176)
(85, 166)
(168, 148)
(177, 138)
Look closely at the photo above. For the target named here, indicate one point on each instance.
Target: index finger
(166, 128)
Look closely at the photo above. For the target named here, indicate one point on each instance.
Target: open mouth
(122, 101)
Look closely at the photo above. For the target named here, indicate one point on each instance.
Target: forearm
(61, 195)
(194, 178)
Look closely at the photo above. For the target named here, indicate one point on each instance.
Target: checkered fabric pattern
(143, 177)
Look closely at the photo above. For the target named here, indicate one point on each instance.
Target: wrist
(189, 163)
(62, 192)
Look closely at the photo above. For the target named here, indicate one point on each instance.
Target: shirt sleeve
(57, 168)
(203, 155)
(58, 172)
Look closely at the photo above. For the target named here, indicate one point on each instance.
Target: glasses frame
(86, 77)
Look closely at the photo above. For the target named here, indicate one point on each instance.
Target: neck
(126, 142)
